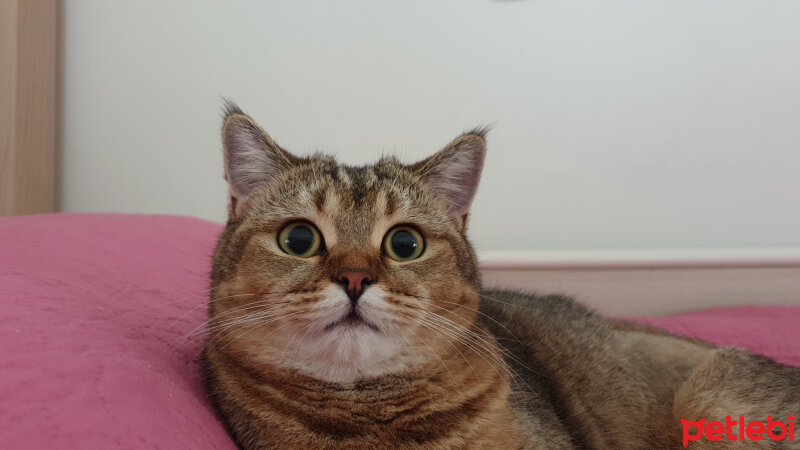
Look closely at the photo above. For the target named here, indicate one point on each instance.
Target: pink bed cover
(96, 320)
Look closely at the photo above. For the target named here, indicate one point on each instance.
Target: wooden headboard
(28, 114)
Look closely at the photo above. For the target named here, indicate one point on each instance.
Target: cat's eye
(403, 244)
(300, 239)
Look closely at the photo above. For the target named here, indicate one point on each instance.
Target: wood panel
(657, 291)
(28, 80)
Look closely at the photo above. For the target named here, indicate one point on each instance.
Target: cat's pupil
(404, 244)
(299, 239)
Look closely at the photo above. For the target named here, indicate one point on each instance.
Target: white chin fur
(346, 352)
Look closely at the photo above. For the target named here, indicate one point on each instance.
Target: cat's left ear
(454, 172)
(252, 158)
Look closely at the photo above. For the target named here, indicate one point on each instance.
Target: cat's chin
(351, 322)
(352, 342)
(350, 350)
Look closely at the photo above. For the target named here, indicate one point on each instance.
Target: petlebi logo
(738, 430)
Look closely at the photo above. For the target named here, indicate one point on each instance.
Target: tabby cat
(347, 313)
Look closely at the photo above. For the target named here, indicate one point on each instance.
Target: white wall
(617, 125)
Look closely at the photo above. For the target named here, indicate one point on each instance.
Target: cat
(347, 313)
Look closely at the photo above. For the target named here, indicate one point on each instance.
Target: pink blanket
(98, 341)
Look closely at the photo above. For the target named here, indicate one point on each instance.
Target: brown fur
(444, 365)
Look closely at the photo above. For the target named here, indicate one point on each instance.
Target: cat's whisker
(196, 307)
(482, 314)
(454, 335)
(268, 300)
(260, 314)
(482, 352)
(254, 326)
(432, 303)
(203, 327)
(467, 331)
(204, 291)
(206, 330)
(210, 325)
(530, 308)
(460, 331)
(265, 305)
(429, 348)
(487, 347)
(500, 348)
(267, 294)
(216, 324)
(294, 320)
(456, 332)
(437, 332)
(246, 306)
(485, 342)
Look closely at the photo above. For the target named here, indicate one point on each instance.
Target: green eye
(300, 239)
(403, 244)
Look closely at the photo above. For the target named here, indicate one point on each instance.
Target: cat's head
(343, 272)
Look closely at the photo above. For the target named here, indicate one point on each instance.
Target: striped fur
(442, 364)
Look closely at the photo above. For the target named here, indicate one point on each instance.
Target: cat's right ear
(252, 158)
(453, 173)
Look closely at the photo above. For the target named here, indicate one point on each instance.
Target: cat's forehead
(354, 187)
(353, 200)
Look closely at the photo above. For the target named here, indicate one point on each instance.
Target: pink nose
(353, 283)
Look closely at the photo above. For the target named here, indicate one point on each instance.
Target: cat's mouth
(352, 320)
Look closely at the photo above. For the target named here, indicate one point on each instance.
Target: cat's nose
(354, 283)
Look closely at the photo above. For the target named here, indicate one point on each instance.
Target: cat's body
(347, 313)
(614, 384)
